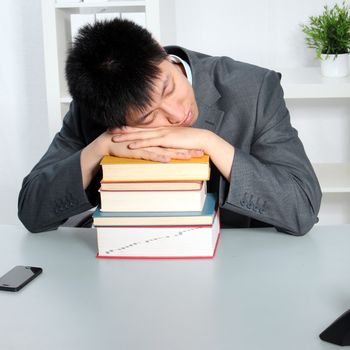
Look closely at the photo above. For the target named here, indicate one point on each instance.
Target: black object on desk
(18, 277)
(339, 331)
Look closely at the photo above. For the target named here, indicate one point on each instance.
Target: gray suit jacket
(272, 180)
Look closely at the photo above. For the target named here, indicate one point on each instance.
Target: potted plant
(329, 34)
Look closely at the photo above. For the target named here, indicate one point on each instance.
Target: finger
(173, 153)
(164, 154)
(124, 130)
(138, 133)
(127, 129)
(170, 152)
(150, 142)
(185, 153)
(125, 137)
(180, 155)
(196, 153)
(144, 138)
(155, 156)
(180, 150)
(130, 129)
(116, 130)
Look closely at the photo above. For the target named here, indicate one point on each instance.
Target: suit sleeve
(53, 190)
(274, 182)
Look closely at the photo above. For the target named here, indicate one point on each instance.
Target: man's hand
(151, 152)
(160, 144)
(197, 141)
(103, 145)
(184, 138)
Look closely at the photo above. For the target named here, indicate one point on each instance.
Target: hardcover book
(124, 201)
(158, 241)
(131, 218)
(117, 169)
(151, 185)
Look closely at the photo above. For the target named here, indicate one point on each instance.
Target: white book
(78, 21)
(158, 242)
(137, 17)
(151, 186)
(153, 201)
(102, 16)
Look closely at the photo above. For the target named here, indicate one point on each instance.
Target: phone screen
(18, 277)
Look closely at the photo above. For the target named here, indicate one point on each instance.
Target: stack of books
(156, 210)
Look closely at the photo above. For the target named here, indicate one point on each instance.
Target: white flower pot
(335, 67)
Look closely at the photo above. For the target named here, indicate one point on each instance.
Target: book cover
(131, 218)
(122, 201)
(117, 169)
(162, 242)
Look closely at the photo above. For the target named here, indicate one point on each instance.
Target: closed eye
(171, 89)
(148, 118)
(143, 119)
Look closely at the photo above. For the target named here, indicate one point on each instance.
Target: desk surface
(263, 290)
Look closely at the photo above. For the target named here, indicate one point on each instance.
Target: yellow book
(117, 169)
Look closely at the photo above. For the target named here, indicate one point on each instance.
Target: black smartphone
(18, 277)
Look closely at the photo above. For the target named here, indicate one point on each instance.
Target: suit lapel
(207, 96)
(209, 117)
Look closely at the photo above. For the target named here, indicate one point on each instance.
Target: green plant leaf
(329, 33)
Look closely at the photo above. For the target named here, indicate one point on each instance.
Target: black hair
(111, 68)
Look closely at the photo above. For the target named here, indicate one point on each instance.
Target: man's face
(173, 99)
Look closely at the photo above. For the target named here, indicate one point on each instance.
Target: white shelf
(307, 82)
(333, 177)
(106, 4)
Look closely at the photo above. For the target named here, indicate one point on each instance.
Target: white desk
(263, 290)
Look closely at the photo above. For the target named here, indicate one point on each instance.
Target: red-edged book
(160, 242)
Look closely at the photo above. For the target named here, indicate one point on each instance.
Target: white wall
(23, 132)
(263, 32)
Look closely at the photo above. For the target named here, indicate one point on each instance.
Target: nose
(173, 111)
